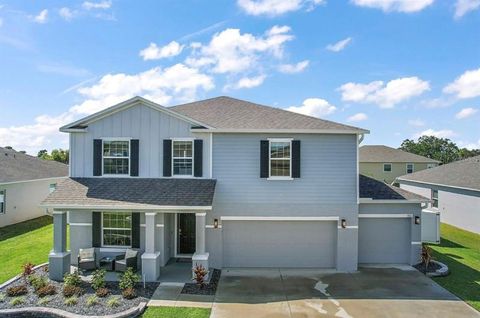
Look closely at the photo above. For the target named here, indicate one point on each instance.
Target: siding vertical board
(135, 230)
(296, 159)
(96, 229)
(263, 158)
(198, 158)
(97, 157)
(134, 153)
(167, 158)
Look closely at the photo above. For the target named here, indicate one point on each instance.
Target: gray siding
(138, 122)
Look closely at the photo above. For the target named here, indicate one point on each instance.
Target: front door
(185, 233)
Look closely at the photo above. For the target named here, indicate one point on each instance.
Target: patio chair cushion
(84, 260)
(121, 261)
(130, 253)
(87, 254)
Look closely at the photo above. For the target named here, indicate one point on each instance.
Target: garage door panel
(279, 244)
(384, 240)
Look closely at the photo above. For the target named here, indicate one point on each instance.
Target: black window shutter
(135, 230)
(135, 147)
(96, 229)
(97, 157)
(167, 158)
(264, 158)
(198, 158)
(296, 159)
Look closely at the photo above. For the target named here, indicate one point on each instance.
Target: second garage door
(279, 243)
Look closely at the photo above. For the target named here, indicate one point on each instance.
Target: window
(116, 157)
(182, 156)
(435, 198)
(410, 167)
(52, 187)
(117, 229)
(280, 159)
(431, 165)
(2, 201)
(387, 167)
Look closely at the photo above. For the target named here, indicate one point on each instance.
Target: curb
(442, 271)
(53, 312)
(13, 279)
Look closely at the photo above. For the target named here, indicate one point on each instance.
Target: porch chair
(87, 259)
(129, 259)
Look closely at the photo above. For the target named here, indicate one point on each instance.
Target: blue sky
(400, 68)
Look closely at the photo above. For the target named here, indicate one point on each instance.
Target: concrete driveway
(370, 292)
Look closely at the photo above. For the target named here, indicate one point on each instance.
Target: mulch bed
(207, 289)
(432, 267)
(57, 300)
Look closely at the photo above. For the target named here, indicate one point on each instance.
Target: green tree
(59, 155)
(441, 149)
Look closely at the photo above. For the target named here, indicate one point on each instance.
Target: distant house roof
(128, 193)
(226, 113)
(380, 153)
(377, 190)
(16, 166)
(463, 174)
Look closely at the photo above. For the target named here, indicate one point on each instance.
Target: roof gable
(381, 153)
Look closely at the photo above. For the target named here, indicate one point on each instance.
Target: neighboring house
(454, 189)
(386, 164)
(25, 181)
(226, 183)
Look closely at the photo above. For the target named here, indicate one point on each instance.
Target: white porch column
(59, 257)
(151, 257)
(201, 256)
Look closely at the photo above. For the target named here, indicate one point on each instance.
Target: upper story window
(52, 187)
(410, 168)
(280, 158)
(117, 229)
(116, 157)
(182, 157)
(387, 167)
(435, 198)
(2, 201)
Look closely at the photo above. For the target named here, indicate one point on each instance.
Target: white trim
(279, 218)
(127, 207)
(283, 131)
(211, 156)
(59, 212)
(113, 139)
(151, 213)
(176, 239)
(279, 140)
(358, 171)
(280, 178)
(406, 167)
(32, 180)
(437, 184)
(201, 214)
(75, 130)
(391, 167)
(211, 226)
(191, 140)
(416, 243)
(113, 228)
(80, 224)
(403, 201)
(385, 216)
(157, 225)
(348, 227)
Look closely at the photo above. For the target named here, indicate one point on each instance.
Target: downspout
(361, 138)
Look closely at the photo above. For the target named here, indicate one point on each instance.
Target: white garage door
(279, 243)
(384, 240)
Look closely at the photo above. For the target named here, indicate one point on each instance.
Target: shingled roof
(460, 174)
(131, 193)
(234, 114)
(380, 153)
(16, 166)
(377, 190)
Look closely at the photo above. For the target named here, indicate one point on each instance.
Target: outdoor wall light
(344, 223)
(215, 223)
(417, 220)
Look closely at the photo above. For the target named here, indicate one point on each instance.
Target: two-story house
(226, 183)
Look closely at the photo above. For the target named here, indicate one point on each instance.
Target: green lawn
(176, 312)
(460, 250)
(28, 241)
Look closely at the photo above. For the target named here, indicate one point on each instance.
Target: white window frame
(391, 167)
(433, 199)
(193, 158)
(431, 165)
(113, 228)
(110, 139)
(270, 177)
(52, 187)
(413, 168)
(3, 197)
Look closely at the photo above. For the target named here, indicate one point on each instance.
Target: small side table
(107, 263)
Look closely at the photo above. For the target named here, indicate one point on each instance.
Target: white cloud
(357, 117)
(230, 51)
(416, 122)
(406, 6)
(41, 17)
(315, 107)
(470, 145)
(153, 52)
(462, 7)
(66, 13)
(466, 112)
(276, 7)
(247, 82)
(443, 133)
(385, 95)
(465, 86)
(293, 68)
(340, 45)
(89, 5)
(439, 102)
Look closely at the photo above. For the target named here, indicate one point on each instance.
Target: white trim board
(283, 131)
(157, 225)
(404, 201)
(184, 209)
(32, 180)
(279, 218)
(409, 182)
(80, 224)
(384, 216)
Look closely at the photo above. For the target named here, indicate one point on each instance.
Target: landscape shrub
(129, 293)
(199, 274)
(43, 301)
(46, 290)
(27, 269)
(17, 301)
(102, 292)
(98, 279)
(17, 290)
(113, 301)
(69, 291)
(92, 301)
(72, 279)
(71, 301)
(37, 281)
(128, 279)
(2, 297)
